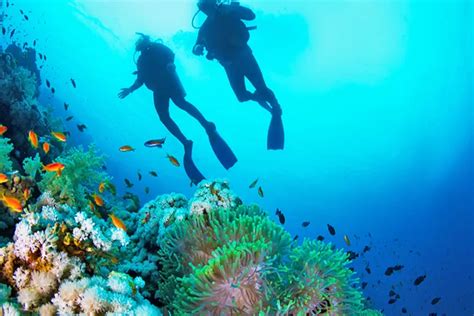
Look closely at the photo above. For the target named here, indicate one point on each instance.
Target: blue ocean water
(377, 101)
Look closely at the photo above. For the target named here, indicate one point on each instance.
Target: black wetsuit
(157, 71)
(225, 41)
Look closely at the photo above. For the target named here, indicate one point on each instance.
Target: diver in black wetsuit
(225, 37)
(156, 69)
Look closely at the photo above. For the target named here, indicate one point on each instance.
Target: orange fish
(126, 148)
(3, 178)
(26, 194)
(91, 206)
(3, 129)
(101, 187)
(12, 203)
(98, 200)
(117, 222)
(54, 167)
(173, 160)
(46, 148)
(59, 136)
(33, 138)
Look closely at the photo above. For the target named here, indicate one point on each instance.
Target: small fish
(69, 118)
(419, 280)
(73, 83)
(25, 44)
(3, 178)
(368, 270)
(128, 183)
(147, 190)
(3, 129)
(54, 167)
(21, 11)
(352, 255)
(295, 238)
(305, 224)
(364, 284)
(153, 173)
(81, 127)
(260, 192)
(12, 203)
(4, 30)
(320, 238)
(146, 218)
(26, 17)
(139, 175)
(331, 230)
(126, 148)
(48, 84)
(253, 184)
(404, 310)
(34, 43)
(26, 194)
(281, 216)
(102, 187)
(366, 248)
(46, 147)
(392, 301)
(347, 240)
(59, 136)
(117, 222)
(40, 55)
(33, 138)
(53, 90)
(435, 300)
(98, 200)
(155, 142)
(12, 33)
(389, 271)
(173, 160)
(392, 293)
(397, 267)
(112, 188)
(66, 106)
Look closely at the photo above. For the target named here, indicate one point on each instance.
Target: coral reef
(5, 149)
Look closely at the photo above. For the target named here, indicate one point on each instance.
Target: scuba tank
(219, 3)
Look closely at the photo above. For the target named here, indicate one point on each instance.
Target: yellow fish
(126, 148)
(117, 222)
(347, 240)
(59, 136)
(173, 160)
(12, 203)
(102, 187)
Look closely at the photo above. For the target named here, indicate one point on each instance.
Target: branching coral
(5, 149)
(81, 176)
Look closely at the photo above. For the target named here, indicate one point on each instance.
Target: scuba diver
(156, 69)
(225, 37)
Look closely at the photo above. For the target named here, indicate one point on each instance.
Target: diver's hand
(124, 92)
(198, 50)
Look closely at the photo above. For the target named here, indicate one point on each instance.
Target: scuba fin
(189, 167)
(276, 134)
(221, 149)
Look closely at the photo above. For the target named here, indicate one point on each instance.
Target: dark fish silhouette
(320, 238)
(352, 255)
(44, 56)
(435, 300)
(392, 293)
(392, 301)
(40, 55)
(389, 271)
(81, 127)
(73, 83)
(419, 279)
(281, 216)
(128, 183)
(155, 142)
(404, 310)
(147, 190)
(48, 84)
(397, 267)
(153, 173)
(368, 270)
(34, 43)
(331, 230)
(366, 248)
(12, 33)
(139, 176)
(295, 238)
(53, 90)
(66, 106)
(4, 30)
(69, 118)
(26, 17)
(364, 284)
(253, 184)
(260, 192)
(21, 11)
(305, 224)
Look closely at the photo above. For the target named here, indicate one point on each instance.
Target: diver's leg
(237, 81)
(255, 76)
(162, 106)
(184, 105)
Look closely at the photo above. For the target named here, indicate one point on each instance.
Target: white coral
(43, 282)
